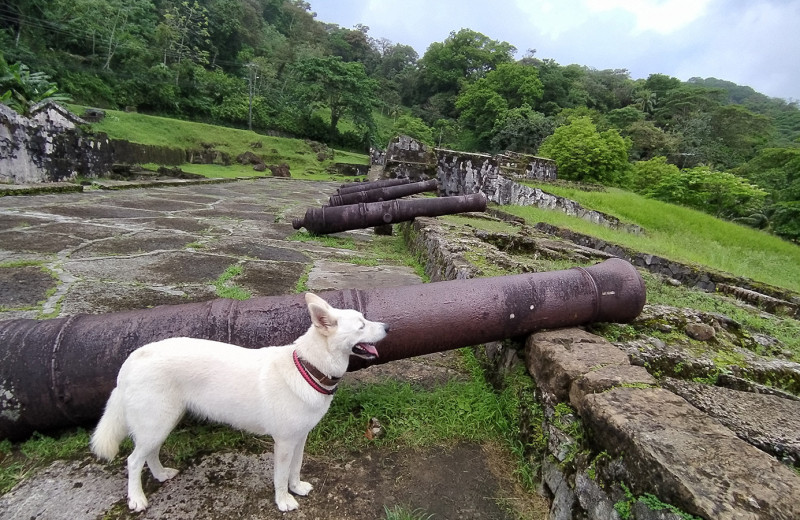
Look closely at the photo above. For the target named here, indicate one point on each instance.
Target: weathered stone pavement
(103, 251)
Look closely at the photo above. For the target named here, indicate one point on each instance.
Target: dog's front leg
(284, 453)
(296, 485)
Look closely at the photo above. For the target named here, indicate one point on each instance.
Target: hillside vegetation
(681, 234)
(161, 131)
(270, 65)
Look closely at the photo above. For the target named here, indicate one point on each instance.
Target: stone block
(605, 378)
(557, 358)
(684, 457)
(768, 422)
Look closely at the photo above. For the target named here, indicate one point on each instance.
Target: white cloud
(660, 16)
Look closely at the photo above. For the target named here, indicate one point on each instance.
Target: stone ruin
(47, 146)
(496, 176)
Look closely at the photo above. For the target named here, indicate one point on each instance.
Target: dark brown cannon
(385, 193)
(333, 219)
(59, 372)
(361, 186)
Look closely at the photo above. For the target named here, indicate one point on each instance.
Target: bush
(585, 155)
(721, 194)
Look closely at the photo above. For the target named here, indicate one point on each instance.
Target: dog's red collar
(309, 371)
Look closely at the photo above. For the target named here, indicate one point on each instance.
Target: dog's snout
(385, 327)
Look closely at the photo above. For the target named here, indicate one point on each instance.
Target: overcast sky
(749, 42)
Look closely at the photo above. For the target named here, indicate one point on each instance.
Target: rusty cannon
(384, 193)
(59, 372)
(370, 185)
(333, 219)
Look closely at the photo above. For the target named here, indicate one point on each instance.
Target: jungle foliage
(270, 65)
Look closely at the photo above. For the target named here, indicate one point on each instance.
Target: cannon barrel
(59, 372)
(361, 186)
(333, 219)
(385, 193)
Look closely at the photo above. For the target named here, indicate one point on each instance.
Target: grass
(680, 234)
(175, 133)
(17, 461)
(225, 288)
(414, 417)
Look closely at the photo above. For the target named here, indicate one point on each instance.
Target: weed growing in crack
(225, 288)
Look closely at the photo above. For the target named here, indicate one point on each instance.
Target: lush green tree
(464, 55)
(661, 84)
(413, 127)
(342, 87)
(585, 155)
(645, 100)
(521, 130)
(649, 141)
(485, 102)
(777, 170)
(648, 173)
(739, 132)
(686, 102)
(607, 89)
(184, 34)
(561, 86)
(397, 59)
(103, 27)
(785, 220)
(518, 84)
(721, 194)
(480, 108)
(622, 118)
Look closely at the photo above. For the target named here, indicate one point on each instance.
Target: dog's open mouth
(365, 351)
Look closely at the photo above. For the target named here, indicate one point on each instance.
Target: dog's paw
(165, 474)
(301, 488)
(286, 502)
(137, 503)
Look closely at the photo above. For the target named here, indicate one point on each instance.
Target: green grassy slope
(681, 234)
(161, 131)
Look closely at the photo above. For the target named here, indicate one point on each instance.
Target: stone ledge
(556, 358)
(769, 422)
(660, 443)
(39, 188)
(683, 456)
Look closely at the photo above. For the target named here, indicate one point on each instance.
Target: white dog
(280, 391)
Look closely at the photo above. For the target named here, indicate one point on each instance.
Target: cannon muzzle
(385, 193)
(333, 219)
(60, 372)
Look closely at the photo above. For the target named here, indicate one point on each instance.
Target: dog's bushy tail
(111, 429)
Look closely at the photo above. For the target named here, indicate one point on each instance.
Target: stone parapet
(613, 434)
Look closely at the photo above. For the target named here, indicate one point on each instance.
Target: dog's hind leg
(159, 472)
(136, 499)
(284, 453)
(296, 485)
(149, 429)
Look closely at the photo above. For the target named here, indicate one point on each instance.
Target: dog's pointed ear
(313, 298)
(320, 313)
